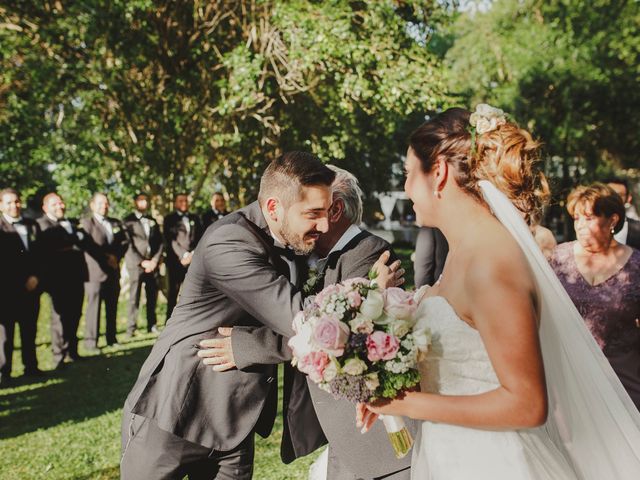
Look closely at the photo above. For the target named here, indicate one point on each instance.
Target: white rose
(372, 305)
(400, 328)
(361, 324)
(354, 366)
(371, 381)
(422, 336)
(330, 371)
(300, 343)
(485, 110)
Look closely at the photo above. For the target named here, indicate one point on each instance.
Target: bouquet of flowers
(357, 342)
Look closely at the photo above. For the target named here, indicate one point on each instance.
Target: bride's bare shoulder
(497, 260)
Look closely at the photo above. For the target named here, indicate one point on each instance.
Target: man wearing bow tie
(111, 240)
(64, 271)
(142, 260)
(182, 231)
(18, 282)
(218, 210)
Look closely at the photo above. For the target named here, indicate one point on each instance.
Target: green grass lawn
(67, 425)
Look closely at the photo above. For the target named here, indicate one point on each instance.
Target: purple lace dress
(611, 310)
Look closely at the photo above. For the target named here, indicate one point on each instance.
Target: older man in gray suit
(345, 251)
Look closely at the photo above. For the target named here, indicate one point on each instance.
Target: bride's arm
(505, 316)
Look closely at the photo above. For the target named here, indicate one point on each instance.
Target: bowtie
(288, 253)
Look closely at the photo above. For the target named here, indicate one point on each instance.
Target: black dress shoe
(60, 365)
(75, 357)
(6, 381)
(33, 372)
(114, 344)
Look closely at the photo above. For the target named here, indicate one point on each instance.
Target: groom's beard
(302, 244)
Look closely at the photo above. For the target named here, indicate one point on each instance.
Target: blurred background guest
(431, 252)
(18, 282)
(64, 271)
(602, 277)
(545, 239)
(181, 232)
(111, 242)
(142, 260)
(218, 210)
(629, 234)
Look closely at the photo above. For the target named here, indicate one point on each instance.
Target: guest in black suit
(218, 210)
(142, 260)
(181, 232)
(630, 232)
(19, 281)
(111, 240)
(64, 271)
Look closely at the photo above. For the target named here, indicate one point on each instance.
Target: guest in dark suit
(182, 231)
(180, 419)
(64, 271)
(431, 252)
(218, 210)
(19, 281)
(630, 232)
(111, 240)
(142, 259)
(345, 251)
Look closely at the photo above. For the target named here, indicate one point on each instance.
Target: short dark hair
(287, 174)
(217, 193)
(9, 190)
(618, 181)
(140, 194)
(603, 200)
(180, 194)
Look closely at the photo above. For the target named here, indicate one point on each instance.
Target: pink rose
(382, 346)
(313, 364)
(399, 303)
(330, 334)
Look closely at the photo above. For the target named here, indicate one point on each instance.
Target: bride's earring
(436, 193)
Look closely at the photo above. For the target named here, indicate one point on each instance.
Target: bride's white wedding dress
(593, 429)
(458, 364)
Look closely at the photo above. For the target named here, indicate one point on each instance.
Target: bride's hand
(365, 418)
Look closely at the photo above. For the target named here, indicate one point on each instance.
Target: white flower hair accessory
(487, 118)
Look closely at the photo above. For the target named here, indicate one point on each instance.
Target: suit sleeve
(158, 255)
(240, 268)
(128, 226)
(261, 345)
(424, 263)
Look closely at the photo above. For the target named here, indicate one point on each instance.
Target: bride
(513, 386)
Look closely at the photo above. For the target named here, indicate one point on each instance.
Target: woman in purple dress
(602, 277)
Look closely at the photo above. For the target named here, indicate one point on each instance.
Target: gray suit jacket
(633, 237)
(369, 455)
(431, 252)
(235, 278)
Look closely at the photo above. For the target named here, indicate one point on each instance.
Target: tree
(173, 96)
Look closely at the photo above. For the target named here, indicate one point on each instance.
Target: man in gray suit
(431, 252)
(179, 419)
(345, 251)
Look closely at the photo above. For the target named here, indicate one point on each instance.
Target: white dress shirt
(621, 236)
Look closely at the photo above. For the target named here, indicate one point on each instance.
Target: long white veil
(591, 417)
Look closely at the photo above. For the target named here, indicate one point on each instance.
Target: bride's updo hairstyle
(504, 154)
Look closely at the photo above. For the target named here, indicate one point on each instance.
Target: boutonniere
(152, 222)
(191, 222)
(115, 229)
(311, 286)
(32, 236)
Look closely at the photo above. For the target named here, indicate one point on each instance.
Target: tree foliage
(170, 96)
(567, 69)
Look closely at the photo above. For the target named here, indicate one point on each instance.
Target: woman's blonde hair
(603, 200)
(507, 157)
